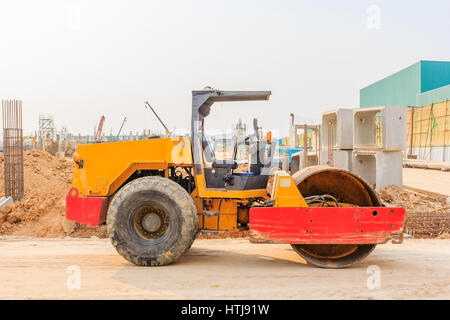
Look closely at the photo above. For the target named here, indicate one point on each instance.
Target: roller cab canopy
(202, 100)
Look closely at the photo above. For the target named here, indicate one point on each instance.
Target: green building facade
(422, 83)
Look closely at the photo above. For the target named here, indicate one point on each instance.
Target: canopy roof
(203, 99)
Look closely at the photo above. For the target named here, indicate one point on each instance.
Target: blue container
(247, 174)
(289, 151)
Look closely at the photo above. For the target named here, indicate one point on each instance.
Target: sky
(78, 60)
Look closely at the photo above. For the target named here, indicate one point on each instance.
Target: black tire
(152, 221)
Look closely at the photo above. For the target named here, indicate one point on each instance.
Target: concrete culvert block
(341, 159)
(336, 126)
(283, 163)
(382, 168)
(379, 128)
(364, 165)
(297, 161)
(312, 160)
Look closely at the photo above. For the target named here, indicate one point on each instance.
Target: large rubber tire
(346, 187)
(179, 217)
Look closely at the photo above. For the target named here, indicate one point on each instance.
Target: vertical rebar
(305, 146)
(445, 131)
(330, 143)
(412, 132)
(13, 148)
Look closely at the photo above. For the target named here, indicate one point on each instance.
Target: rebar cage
(13, 148)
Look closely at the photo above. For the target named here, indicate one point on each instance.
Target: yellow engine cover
(106, 166)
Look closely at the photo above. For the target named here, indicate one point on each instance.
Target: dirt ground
(431, 180)
(36, 268)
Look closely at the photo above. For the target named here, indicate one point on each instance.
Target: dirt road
(430, 180)
(229, 269)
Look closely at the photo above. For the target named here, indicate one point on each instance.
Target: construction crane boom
(165, 127)
(98, 135)
(120, 130)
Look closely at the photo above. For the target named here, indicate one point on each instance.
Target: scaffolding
(46, 130)
(429, 132)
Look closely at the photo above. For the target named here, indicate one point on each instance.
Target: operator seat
(209, 156)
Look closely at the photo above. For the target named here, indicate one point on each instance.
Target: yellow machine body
(103, 168)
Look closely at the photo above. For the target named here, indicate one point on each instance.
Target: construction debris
(427, 213)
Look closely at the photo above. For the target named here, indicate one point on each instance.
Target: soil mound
(42, 214)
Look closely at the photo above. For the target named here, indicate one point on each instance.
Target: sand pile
(42, 213)
(427, 213)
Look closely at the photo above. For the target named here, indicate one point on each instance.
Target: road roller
(157, 195)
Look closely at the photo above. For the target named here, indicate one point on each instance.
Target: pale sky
(79, 60)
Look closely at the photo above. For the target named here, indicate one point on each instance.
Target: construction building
(424, 87)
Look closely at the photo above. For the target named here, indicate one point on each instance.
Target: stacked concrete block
(382, 168)
(283, 163)
(297, 161)
(293, 136)
(341, 159)
(379, 162)
(337, 124)
(337, 138)
(393, 128)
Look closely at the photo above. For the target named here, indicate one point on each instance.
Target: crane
(162, 123)
(120, 130)
(98, 135)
